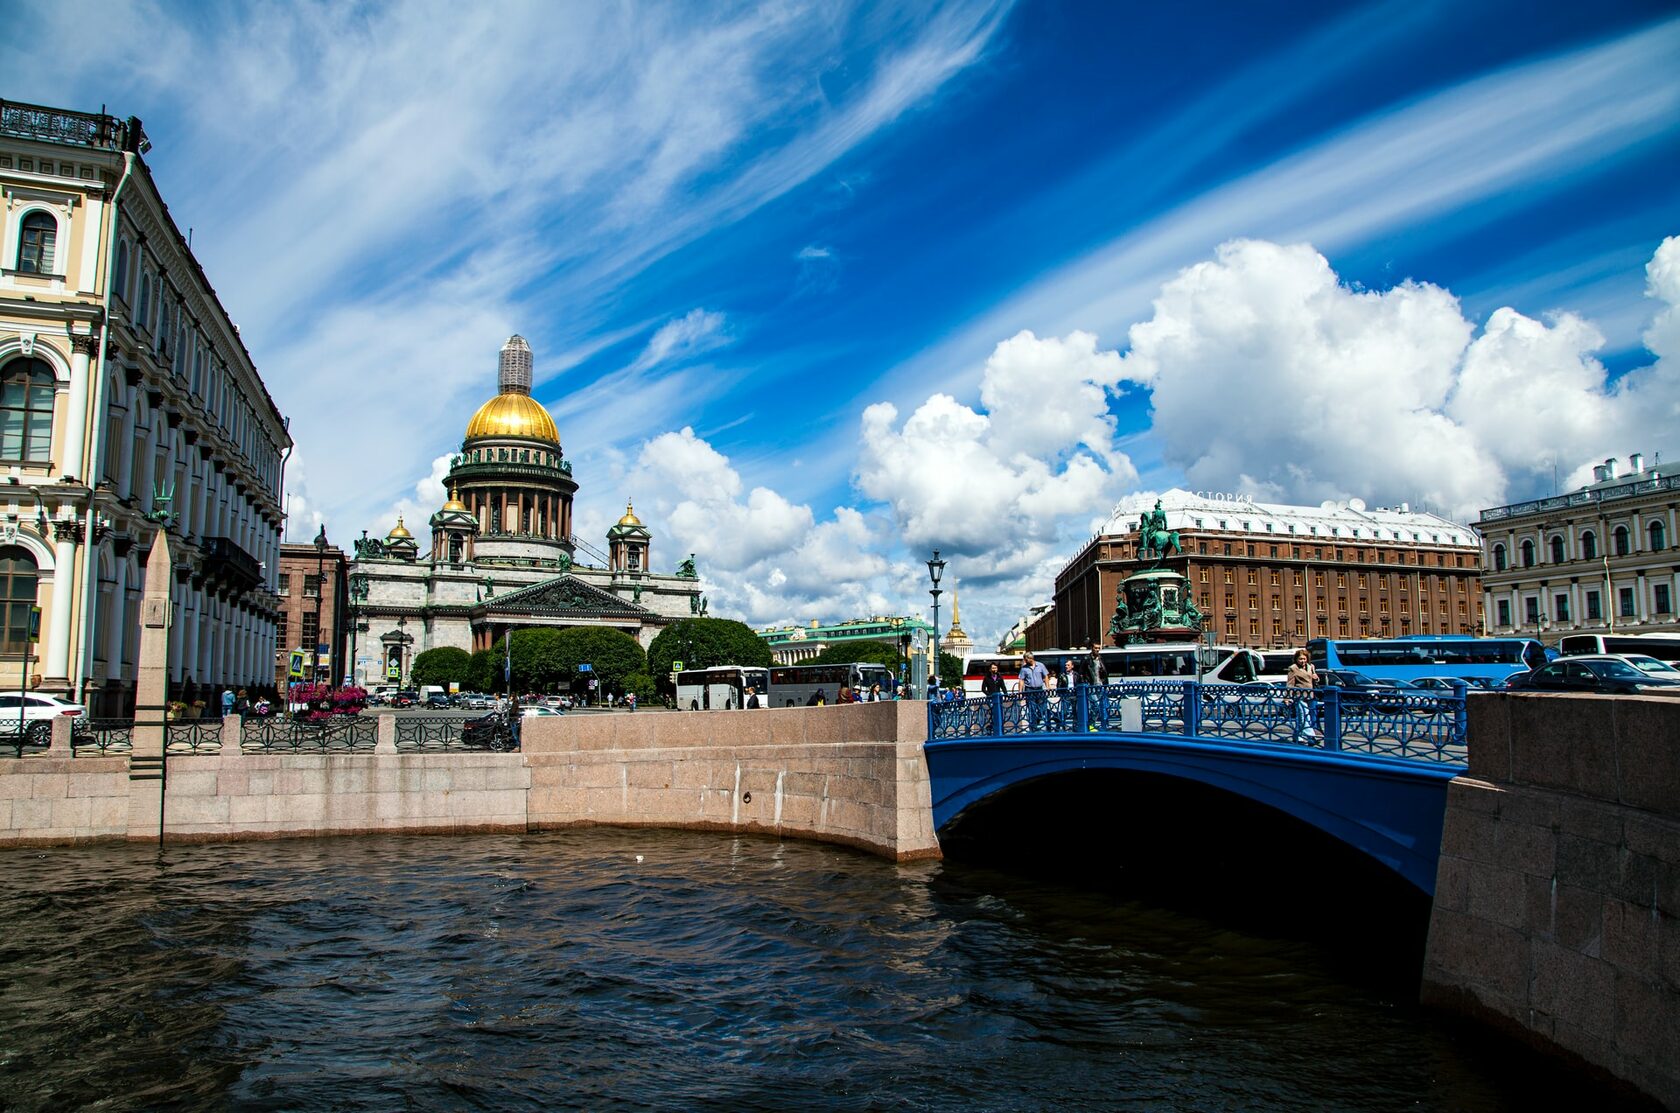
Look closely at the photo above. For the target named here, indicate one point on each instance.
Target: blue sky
(824, 286)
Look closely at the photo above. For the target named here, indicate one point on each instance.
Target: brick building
(312, 603)
(1269, 575)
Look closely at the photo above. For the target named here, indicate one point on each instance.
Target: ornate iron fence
(1422, 726)
(290, 736)
(429, 732)
(99, 737)
(193, 736)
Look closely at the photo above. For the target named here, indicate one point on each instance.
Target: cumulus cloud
(1002, 482)
(1268, 374)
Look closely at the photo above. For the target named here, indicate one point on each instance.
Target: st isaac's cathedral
(501, 554)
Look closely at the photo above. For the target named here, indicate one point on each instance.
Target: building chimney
(1598, 473)
(1610, 468)
(1636, 462)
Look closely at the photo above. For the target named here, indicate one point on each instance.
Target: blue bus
(1416, 656)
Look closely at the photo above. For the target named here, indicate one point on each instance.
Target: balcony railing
(226, 560)
(79, 129)
(1583, 498)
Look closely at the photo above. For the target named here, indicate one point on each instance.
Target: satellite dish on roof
(1356, 504)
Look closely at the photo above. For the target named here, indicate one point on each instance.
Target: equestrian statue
(1154, 538)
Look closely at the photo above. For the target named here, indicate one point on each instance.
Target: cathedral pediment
(564, 596)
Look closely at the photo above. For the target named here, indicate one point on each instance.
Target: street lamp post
(358, 593)
(320, 590)
(936, 569)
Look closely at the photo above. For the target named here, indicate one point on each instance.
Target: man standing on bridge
(1093, 674)
(1031, 683)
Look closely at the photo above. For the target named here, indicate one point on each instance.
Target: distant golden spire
(956, 619)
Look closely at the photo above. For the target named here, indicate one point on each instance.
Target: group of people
(242, 704)
(1040, 685)
(847, 694)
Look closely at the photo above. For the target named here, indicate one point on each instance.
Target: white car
(536, 709)
(1641, 661)
(32, 713)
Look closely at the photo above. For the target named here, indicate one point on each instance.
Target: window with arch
(1557, 550)
(1658, 537)
(26, 405)
(145, 299)
(1528, 554)
(37, 238)
(119, 280)
(1589, 545)
(1620, 538)
(18, 576)
(1499, 558)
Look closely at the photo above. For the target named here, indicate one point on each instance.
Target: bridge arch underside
(1138, 796)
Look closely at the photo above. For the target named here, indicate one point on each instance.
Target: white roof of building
(1349, 520)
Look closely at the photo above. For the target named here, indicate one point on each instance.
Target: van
(433, 695)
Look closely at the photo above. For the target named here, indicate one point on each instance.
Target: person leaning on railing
(1031, 684)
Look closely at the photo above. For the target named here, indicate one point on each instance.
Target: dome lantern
(514, 373)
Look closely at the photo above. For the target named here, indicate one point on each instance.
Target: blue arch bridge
(1370, 770)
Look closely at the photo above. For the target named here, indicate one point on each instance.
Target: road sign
(34, 624)
(676, 666)
(586, 668)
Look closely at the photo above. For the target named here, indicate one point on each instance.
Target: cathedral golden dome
(400, 530)
(513, 415)
(629, 518)
(455, 502)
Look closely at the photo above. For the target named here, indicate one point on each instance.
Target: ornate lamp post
(320, 590)
(358, 595)
(936, 569)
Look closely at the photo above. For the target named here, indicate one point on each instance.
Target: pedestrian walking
(1302, 677)
(227, 702)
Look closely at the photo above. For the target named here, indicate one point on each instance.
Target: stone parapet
(1557, 902)
(59, 799)
(853, 775)
(850, 774)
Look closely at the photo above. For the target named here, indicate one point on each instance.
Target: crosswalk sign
(294, 667)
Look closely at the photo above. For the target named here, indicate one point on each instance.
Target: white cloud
(1267, 374)
(699, 331)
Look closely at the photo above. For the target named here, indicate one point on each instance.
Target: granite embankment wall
(852, 775)
(1557, 901)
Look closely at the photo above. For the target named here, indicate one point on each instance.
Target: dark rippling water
(625, 969)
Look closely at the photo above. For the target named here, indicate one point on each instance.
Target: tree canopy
(444, 665)
(703, 642)
(547, 660)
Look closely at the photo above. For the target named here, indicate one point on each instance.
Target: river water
(656, 969)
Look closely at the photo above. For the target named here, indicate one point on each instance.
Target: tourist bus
(979, 664)
(720, 688)
(1221, 664)
(796, 685)
(1419, 655)
(1664, 647)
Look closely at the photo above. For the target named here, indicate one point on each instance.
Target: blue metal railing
(1425, 726)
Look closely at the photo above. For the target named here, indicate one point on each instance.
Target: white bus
(1664, 647)
(1221, 664)
(720, 688)
(798, 685)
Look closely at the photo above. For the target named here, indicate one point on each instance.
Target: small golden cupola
(629, 543)
(400, 543)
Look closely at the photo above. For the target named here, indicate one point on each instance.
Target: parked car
(404, 698)
(437, 700)
(1605, 675)
(538, 709)
(1651, 665)
(1359, 690)
(32, 713)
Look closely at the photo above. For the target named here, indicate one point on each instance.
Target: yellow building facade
(126, 397)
